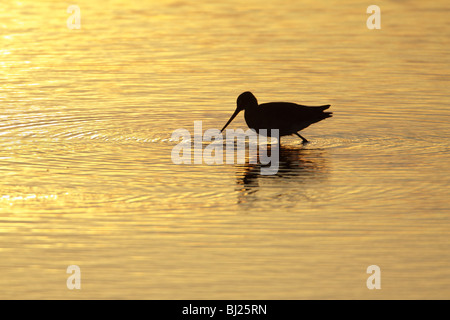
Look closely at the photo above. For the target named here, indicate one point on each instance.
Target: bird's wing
(290, 116)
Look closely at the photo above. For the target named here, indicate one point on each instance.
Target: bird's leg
(303, 139)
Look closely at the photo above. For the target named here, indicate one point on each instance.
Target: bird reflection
(298, 168)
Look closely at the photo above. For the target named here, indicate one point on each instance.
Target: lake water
(85, 138)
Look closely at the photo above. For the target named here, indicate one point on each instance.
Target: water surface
(87, 177)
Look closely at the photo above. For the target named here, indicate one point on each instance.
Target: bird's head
(245, 100)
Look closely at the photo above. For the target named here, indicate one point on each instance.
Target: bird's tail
(326, 114)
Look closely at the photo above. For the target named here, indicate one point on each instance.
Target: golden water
(87, 178)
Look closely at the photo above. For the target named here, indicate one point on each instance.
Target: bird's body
(287, 117)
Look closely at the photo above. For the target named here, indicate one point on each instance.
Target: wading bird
(287, 117)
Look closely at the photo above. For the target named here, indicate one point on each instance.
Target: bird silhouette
(289, 118)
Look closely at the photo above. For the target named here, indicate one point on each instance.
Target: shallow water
(87, 176)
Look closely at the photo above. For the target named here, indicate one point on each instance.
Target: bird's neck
(250, 116)
(251, 108)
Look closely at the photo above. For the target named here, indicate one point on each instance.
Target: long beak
(231, 119)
